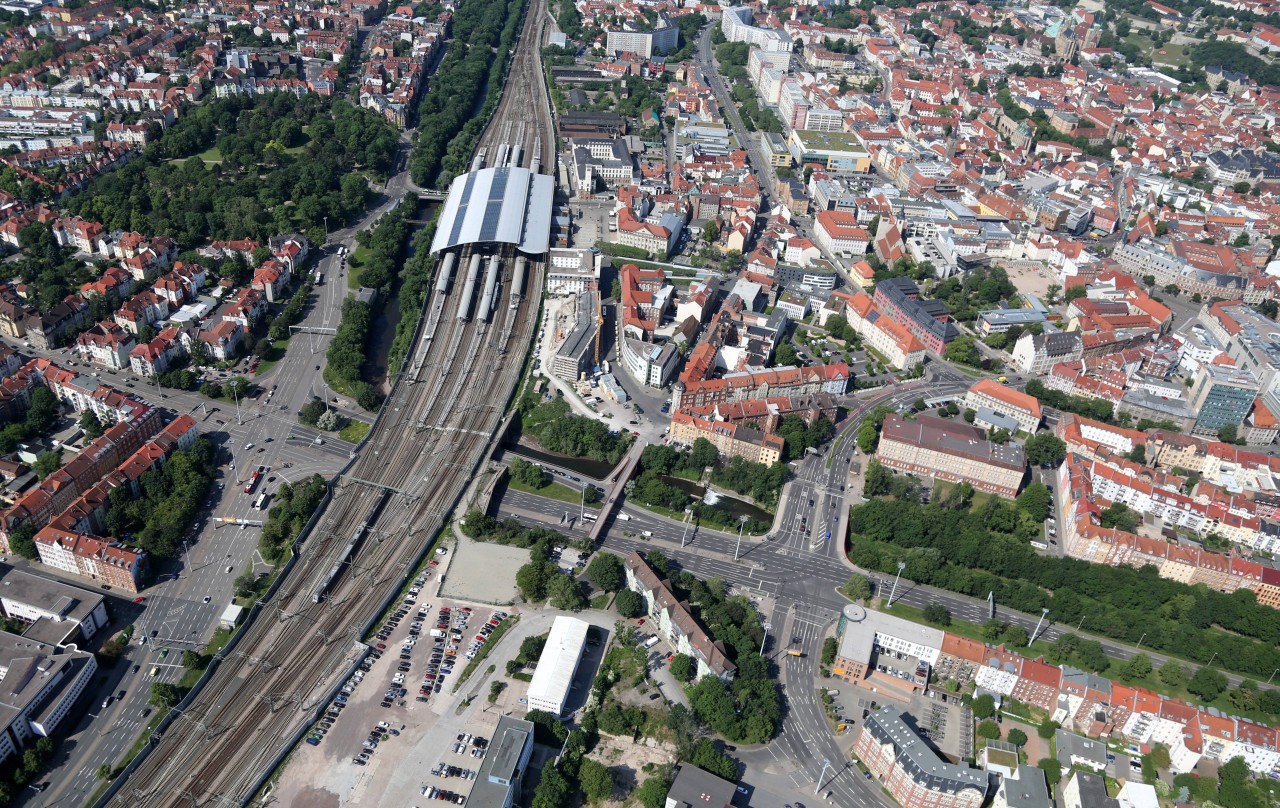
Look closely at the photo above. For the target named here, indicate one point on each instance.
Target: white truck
(626, 517)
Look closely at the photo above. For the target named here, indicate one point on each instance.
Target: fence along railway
(386, 507)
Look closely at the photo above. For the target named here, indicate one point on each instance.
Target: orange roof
(1015, 399)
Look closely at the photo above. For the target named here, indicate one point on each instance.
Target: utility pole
(902, 565)
(1043, 614)
(825, 764)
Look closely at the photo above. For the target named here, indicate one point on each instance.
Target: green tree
(652, 793)
(1119, 516)
(629, 603)
(1045, 449)
(983, 707)
(1228, 433)
(867, 436)
(1047, 728)
(47, 463)
(1052, 771)
(989, 730)
(596, 780)
(1136, 667)
(1017, 737)
(785, 354)
(1207, 683)
(164, 695)
(532, 580)
(91, 425)
(1075, 292)
(683, 668)
(829, 649)
(528, 474)
(858, 587)
(565, 592)
(1173, 674)
(1036, 501)
(1015, 636)
(710, 232)
(22, 540)
(937, 614)
(962, 350)
(605, 572)
(311, 411)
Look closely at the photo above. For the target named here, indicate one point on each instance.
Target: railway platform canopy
(503, 205)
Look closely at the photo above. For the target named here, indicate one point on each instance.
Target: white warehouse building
(557, 665)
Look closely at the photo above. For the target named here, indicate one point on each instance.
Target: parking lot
(397, 699)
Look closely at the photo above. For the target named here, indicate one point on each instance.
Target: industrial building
(498, 781)
(557, 665)
(501, 205)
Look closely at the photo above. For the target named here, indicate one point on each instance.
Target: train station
(499, 205)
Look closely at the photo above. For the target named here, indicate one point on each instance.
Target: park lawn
(355, 431)
(306, 140)
(355, 260)
(272, 357)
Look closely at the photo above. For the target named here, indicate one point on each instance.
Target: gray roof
(1076, 747)
(500, 769)
(1027, 790)
(699, 789)
(1061, 343)
(497, 205)
(917, 760)
(1093, 790)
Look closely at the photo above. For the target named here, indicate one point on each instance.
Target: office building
(578, 351)
(910, 770)
(912, 649)
(55, 613)
(557, 665)
(498, 782)
(38, 687)
(1221, 396)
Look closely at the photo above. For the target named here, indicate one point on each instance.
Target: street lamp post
(582, 506)
(1210, 662)
(1043, 614)
(236, 397)
(765, 638)
(1140, 639)
(1081, 623)
(902, 565)
(825, 764)
(684, 533)
(742, 523)
(1273, 675)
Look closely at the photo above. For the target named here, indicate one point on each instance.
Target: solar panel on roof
(460, 215)
(493, 205)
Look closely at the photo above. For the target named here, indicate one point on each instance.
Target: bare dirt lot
(627, 759)
(481, 572)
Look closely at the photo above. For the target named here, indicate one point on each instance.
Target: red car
(382, 646)
(142, 599)
(640, 622)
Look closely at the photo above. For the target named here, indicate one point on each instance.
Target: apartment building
(106, 344)
(737, 24)
(730, 439)
(673, 620)
(884, 334)
(695, 389)
(660, 40)
(1038, 353)
(989, 394)
(911, 771)
(930, 446)
(928, 320)
(110, 563)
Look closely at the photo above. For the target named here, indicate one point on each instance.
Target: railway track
(432, 434)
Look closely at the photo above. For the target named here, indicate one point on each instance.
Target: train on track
(345, 556)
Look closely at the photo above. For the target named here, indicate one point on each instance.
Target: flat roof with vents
(500, 205)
